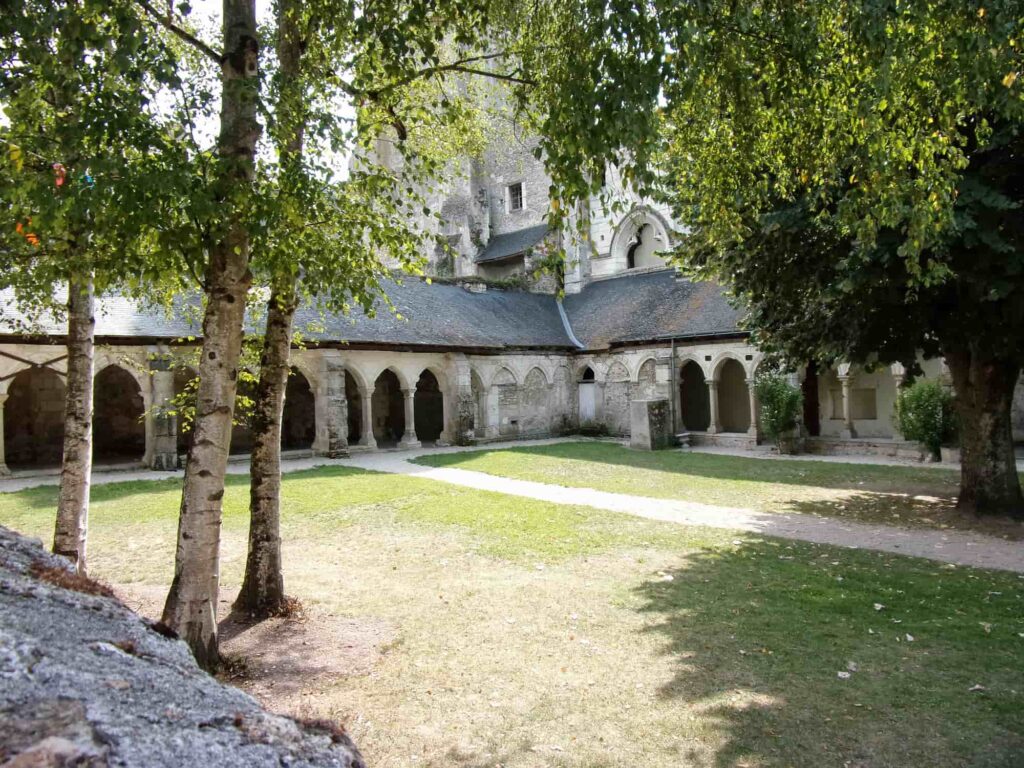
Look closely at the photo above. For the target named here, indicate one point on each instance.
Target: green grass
(909, 496)
(532, 634)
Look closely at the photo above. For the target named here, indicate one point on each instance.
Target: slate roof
(512, 243)
(432, 315)
(646, 307)
(630, 308)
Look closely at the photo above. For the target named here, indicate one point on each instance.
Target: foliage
(781, 404)
(78, 83)
(924, 413)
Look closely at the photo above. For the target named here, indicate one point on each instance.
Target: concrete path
(957, 547)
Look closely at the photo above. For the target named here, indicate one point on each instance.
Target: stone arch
(396, 371)
(586, 373)
(118, 428)
(733, 396)
(429, 407)
(479, 392)
(694, 398)
(640, 236)
(298, 420)
(34, 419)
(647, 379)
(504, 377)
(506, 389)
(354, 395)
(388, 408)
(536, 403)
(722, 359)
(617, 392)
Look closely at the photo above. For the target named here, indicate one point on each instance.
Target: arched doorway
(536, 403)
(694, 399)
(241, 430)
(355, 409)
(476, 386)
(185, 383)
(733, 398)
(429, 408)
(34, 419)
(298, 422)
(388, 409)
(118, 431)
(587, 411)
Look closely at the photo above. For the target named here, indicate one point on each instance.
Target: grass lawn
(477, 630)
(896, 495)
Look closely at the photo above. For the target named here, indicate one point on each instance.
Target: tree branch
(164, 20)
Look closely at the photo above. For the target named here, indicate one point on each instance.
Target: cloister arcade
(355, 400)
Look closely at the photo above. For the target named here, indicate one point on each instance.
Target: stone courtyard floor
(957, 547)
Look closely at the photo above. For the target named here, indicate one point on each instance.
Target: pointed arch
(298, 420)
(34, 418)
(119, 429)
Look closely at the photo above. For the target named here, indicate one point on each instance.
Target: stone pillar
(493, 428)
(463, 422)
(367, 440)
(409, 439)
(331, 409)
(3, 459)
(163, 452)
(712, 405)
(899, 375)
(754, 429)
(848, 431)
(599, 402)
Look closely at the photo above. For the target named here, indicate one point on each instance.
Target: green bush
(924, 414)
(781, 404)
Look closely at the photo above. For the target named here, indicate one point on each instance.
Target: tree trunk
(191, 607)
(262, 592)
(69, 536)
(989, 484)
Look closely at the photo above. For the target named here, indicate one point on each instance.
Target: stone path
(957, 547)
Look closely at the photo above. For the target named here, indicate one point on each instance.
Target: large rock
(85, 682)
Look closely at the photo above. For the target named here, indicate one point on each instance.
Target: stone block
(650, 424)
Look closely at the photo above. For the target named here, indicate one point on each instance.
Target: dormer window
(515, 197)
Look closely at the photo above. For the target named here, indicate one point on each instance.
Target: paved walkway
(957, 547)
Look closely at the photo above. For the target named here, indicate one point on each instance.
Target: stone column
(899, 375)
(493, 428)
(332, 408)
(713, 427)
(367, 440)
(409, 439)
(848, 431)
(463, 423)
(599, 402)
(163, 452)
(3, 459)
(754, 429)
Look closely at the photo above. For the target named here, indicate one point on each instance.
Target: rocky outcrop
(85, 682)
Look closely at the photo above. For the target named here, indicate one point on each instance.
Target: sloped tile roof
(648, 306)
(512, 243)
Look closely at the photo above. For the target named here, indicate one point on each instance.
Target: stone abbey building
(484, 352)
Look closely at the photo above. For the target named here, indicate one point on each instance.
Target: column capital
(409, 391)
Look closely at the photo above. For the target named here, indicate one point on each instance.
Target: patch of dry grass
(440, 634)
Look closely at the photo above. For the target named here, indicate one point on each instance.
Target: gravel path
(957, 547)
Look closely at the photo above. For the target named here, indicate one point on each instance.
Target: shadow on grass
(760, 633)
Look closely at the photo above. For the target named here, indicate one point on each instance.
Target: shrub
(924, 414)
(781, 404)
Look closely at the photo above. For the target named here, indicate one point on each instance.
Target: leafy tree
(76, 82)
(853, 170)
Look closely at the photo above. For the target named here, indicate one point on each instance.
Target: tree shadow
(760, 634)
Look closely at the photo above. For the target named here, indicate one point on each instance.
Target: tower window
(515, 196)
